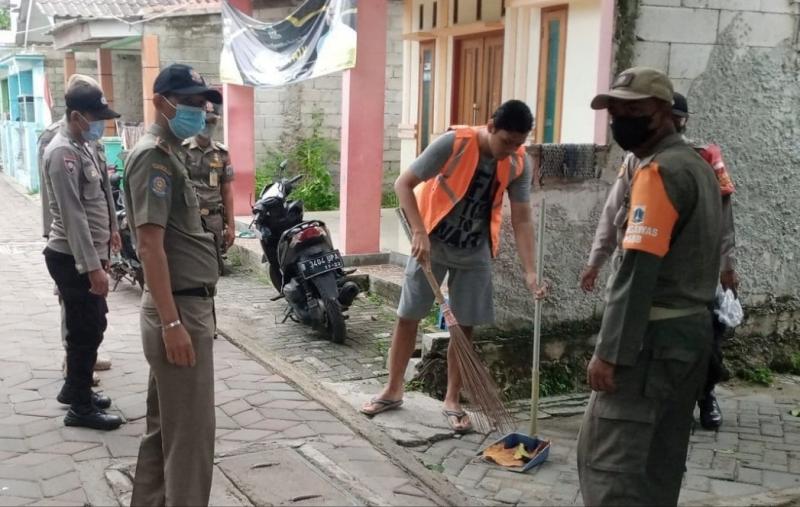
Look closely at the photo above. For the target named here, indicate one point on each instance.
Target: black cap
(680, 107)
(86, 98)
(184, 80)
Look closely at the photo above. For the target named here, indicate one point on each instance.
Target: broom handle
(537, 325)
(426, 266)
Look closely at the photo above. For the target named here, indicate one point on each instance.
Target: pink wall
(238, 115)
(363, 96)
(604, 70)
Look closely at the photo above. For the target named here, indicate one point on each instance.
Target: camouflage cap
(637, 83)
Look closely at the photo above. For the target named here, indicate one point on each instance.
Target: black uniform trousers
(85, 319)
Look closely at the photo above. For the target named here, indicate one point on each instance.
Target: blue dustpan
(531, 443)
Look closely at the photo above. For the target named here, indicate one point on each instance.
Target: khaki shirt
(159, 192)
(670, 250)
(79, 200)
(210, 169)
(614, 217)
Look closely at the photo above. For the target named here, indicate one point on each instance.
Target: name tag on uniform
(216, 162)
(213, 178)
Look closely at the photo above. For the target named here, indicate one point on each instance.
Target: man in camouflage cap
(652, 352)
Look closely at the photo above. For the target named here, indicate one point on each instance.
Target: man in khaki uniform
(611, 231)
(180, 266)
(79, 246)
(47, 135)
(212, 175)
(652, 352)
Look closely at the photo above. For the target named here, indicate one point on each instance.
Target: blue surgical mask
(188, 121)
(96, 129)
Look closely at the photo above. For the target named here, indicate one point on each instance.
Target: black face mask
(631, 131)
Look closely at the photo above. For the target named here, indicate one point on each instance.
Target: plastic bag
(729, 310)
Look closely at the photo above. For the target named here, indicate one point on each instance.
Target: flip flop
(458, 414)
(383, 406)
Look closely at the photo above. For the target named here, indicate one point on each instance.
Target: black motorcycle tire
(276, 277)
(336, 327)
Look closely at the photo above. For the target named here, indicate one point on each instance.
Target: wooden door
(470, 72)
(478, 78)
(492, 76)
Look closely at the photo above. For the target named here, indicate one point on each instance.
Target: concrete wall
(739, 70)
(127, 80)
(193, 40)
(282, 114)
(736, 63)
(128, 101)
(85, 63)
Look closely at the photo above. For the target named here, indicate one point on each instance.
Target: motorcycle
(125, 264)
(304, 267)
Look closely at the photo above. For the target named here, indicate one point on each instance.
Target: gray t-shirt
(462, 236)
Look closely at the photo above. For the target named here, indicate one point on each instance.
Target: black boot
(100, 401)
(710, 413)
(89, 416)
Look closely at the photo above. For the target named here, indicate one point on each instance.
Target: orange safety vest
(438, 196)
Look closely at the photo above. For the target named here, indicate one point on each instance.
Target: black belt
(208, 291)
(210, 211)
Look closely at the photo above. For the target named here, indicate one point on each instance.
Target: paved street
(275, 445)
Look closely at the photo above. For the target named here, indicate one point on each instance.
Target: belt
(207, 291)
(658, 313)
(210, 211)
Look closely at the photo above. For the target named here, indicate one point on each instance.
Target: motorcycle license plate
(322, 264)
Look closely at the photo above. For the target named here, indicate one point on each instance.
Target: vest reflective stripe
(452, 163)
(438, 196)
(447, 190)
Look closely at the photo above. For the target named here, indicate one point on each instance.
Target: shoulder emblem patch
(70, 164)
(159, 184)
(160, 167)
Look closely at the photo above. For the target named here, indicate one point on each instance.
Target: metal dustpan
(538, 449)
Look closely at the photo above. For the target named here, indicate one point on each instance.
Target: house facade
(463, 58)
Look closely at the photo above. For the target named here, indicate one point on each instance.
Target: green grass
(389, 199)
(760, 375)
(414, 385)
(234, 258)
(431, 321)
(794, 361)
(555, 378)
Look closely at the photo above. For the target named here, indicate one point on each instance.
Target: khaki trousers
(633, 442)
(176, 456)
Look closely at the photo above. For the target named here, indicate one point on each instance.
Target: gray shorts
(470, 293)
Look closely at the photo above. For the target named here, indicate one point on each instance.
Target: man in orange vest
(452, 196)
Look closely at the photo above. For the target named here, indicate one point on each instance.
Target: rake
(489, 411)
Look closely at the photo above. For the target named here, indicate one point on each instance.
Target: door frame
(544, 49)
(455, 86)
(422, 45)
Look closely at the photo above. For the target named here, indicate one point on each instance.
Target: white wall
(580, 69)
(580, 72)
